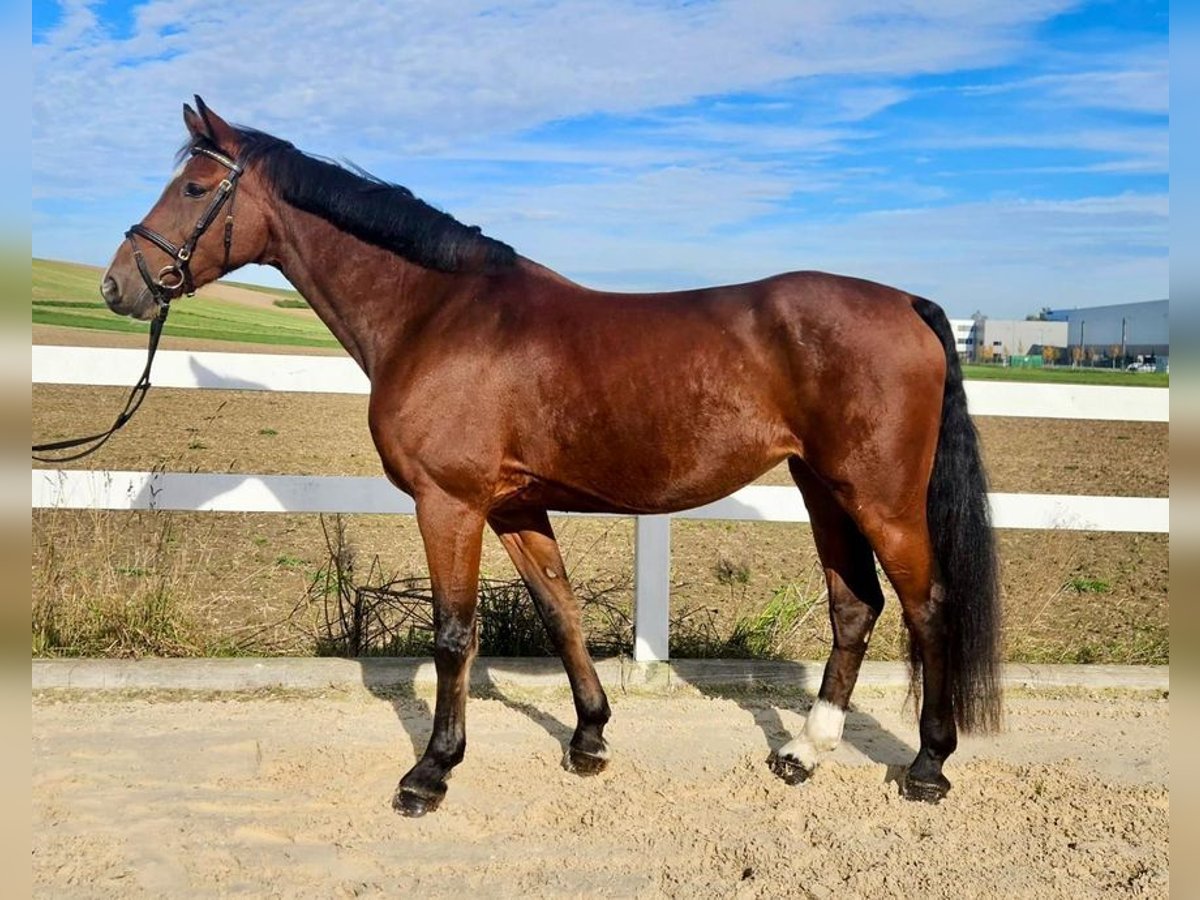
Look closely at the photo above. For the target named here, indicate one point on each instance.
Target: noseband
(172, 281)
(175, 278)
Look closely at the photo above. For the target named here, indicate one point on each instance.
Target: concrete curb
(317, 674)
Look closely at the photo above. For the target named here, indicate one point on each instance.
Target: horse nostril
(109, 290)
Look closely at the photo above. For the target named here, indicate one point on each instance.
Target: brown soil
(219, 431)
(248, 571)
(289, 796)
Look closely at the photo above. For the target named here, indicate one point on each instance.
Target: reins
(174, 280)
(132, 403)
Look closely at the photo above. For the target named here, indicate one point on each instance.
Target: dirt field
(289, 796)
(222, 431)
(1070, 597)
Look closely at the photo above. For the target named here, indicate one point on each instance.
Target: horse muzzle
(137, 304)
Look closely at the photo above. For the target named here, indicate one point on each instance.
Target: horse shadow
(398, 681)
(762, 689)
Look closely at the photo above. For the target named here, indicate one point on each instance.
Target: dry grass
(231, 582)
(96, 595)
(161, 583)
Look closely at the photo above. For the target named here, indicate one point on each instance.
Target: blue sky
(999, 157)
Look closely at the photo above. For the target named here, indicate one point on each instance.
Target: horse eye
(191, 189)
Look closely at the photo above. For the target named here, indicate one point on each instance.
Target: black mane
(373, 210)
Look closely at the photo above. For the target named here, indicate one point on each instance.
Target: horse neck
(368, 297)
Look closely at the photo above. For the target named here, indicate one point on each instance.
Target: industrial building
(1122, 331)
(1121, 334)
(982, 338)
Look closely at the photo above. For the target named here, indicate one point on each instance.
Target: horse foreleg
(453, 534)
(530, 542)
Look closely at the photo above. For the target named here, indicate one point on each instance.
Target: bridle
(174, 280)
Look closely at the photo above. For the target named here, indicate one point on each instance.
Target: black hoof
(925, 791)
(584, 763)
(790, 770)
(413, 805)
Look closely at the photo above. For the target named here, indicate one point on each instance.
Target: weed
(394, 617)
(1081, 584)
(730, 573)
(268, 432)
(289, 561)
(764, 634)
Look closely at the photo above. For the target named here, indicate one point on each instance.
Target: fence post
(652, 580)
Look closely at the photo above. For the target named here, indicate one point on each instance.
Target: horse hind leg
(899, 536)
(530, 542)
(907, 555)
(855, 601)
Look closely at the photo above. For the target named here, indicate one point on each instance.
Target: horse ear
(195, 125)
(220, 131)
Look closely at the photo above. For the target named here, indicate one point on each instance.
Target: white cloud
(1008, 257)
(1135, 81)
(733, 116)
(425, 76)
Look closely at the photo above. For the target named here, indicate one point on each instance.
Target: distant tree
(1049, 354)
(985, 353)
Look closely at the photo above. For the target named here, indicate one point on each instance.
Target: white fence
(79, 488)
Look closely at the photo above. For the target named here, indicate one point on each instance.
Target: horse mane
(373, 210)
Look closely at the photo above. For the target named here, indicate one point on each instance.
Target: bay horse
(500, 390)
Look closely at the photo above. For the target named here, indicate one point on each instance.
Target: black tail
(961, 529)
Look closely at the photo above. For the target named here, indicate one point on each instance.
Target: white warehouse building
(964, 336)
(1005, 337)
(1141, 329)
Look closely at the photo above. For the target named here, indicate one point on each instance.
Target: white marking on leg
(824, 725)
(822, 731)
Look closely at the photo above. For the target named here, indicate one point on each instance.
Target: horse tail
(961, 531)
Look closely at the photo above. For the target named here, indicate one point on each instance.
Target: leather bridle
(174, 280)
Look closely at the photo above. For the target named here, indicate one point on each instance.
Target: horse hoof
(413, 805)
(925, 791)
(792, 771)
(584, 763)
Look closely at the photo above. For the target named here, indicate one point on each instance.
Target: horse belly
(652, 475)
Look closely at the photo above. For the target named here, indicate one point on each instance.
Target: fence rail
(224, 492)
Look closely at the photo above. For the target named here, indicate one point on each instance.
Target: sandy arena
(288, 794)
